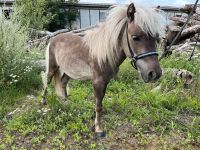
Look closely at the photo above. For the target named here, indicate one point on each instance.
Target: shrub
(62, 18)
(31, 13)
(43, 14)
(14, 59)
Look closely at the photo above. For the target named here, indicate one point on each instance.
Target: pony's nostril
(152, 75)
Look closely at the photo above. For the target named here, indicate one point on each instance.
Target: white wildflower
(15, 81)
(14, 112)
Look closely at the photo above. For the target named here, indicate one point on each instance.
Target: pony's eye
(136, 38)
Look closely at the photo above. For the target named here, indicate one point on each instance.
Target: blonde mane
(103, 41)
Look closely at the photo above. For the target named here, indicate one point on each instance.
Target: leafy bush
(14, 59)
(31, 13)
(62, 18)
(42, 14)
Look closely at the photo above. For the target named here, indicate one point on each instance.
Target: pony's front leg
(46, 81)
(99, 86)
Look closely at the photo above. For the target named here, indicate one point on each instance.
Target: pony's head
(130, 30)
(142, 31)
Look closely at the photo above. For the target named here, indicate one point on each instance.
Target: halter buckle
(133, 63)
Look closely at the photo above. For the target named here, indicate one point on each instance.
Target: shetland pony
(129, 31)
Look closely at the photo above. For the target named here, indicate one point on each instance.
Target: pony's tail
(45, 74)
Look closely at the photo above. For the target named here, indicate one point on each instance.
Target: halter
(140, 56)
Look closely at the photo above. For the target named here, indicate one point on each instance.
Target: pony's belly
(78, 71)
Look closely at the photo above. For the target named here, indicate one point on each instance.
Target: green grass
(13, 95)
(133, 115)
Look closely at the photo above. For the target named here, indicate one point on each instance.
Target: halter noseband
(140, 56)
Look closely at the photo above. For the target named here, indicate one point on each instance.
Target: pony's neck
(121, 58)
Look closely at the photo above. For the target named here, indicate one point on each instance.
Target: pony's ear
(131, 12)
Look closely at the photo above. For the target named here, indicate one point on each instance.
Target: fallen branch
(53, 34)
(186, 46)
(38, 32)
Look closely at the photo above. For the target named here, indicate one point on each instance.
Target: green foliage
(133, 114)
(42, 14)
(18, 76)
(62, 18)
(31, 13)
(14, 59)
(14, 93)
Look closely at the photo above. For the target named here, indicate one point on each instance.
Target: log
(186, 46)
(171, 32)
(189, 6)
(186, 9)
(181, 20)
(198, 11)
(195, 38)
(183, 47)
(49, 35)
(188, 32)
(196, 17)
(173, 28)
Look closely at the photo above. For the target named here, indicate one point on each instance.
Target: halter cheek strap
(140, 56)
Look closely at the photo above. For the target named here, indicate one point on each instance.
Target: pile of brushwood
(189, 37)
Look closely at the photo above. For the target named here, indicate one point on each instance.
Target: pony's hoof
(100, 134)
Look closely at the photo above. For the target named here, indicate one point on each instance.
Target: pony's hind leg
(61, 82)
(64, 81)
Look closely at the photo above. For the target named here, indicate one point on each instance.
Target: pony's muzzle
(153, 76)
